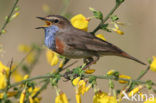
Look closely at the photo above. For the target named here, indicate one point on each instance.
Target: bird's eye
(56, 21)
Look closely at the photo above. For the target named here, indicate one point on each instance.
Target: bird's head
(56, 20)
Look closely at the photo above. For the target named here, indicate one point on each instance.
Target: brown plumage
(80, 44)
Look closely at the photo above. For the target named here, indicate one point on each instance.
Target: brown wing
(85, 41)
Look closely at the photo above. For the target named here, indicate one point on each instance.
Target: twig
(85, 76)
(65, 7)
(8, 81)
(9, 16)
(112, 78)
(70, 65)
(31, 79)
(106, 18)
(42, 88)
(143, 73)
(23, 59)
(48, 81)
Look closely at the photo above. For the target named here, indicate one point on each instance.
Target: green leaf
(78, 71)
(17, 8)
(91, 79)
(149, 84)
(154, 91)
(114, 18)
(104, 27)
(97, 14)
(25, 68)
(111, 84)
(149, 60)
(3, 31)
(55, 79)
(119, 1)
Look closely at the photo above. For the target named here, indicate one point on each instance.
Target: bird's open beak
(47, 21)
(42, 18)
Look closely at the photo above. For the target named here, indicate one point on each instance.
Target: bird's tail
(124, 54)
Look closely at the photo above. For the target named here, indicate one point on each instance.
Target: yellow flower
(9, 94)
(35, 100)
(88, 87)
(89, 71)
(153, 64)
(101, 37)
(101, 97)
(61, 64)
(117, 29)
(26, 77)
(31, 58)
(31, 99)
(61, 98)
(22, 97)
(17, 76)
(46, 8)
(3, 81)
(110, 72)
(80, 88)
(14, 15)
(26, 49)
(33, 91)
(76, 81)
(123, 77)
(4, 70)
(52, 57)
(151, 101)
(142, 96)
(80, 22)
(78, 98)
(135, 90)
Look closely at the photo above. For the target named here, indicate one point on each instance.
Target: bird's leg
(87, 60)
(91, 60)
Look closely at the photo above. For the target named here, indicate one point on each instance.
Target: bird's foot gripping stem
(89, 61)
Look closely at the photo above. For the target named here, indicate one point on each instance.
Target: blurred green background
(139, 39)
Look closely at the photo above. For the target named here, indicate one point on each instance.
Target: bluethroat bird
(63, 38)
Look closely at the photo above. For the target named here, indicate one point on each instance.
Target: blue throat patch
(50, 33)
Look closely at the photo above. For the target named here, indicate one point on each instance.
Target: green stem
(42, 88)
(31, 79)
(143, 73)
(9, 16)
(65, 7)
(23, 59)
(106, 18)
(112, 78)
(85, 76)
(8, 82)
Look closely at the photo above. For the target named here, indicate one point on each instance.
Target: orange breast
(59, 46)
